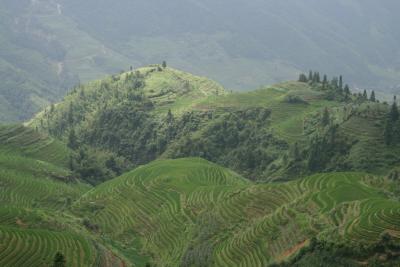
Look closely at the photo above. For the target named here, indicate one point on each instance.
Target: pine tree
(347, 90)
(340, 82)
(310, 76)
(365, 95)
(303, 78)
(394, 112)
(59, 260)
(164, 64)
(388, 132)
(372, 98)
(316, 78)
(334, 83)
(325, 80)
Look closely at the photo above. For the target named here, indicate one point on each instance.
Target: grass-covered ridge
(189, 212)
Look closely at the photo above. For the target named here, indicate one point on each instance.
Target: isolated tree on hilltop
(164, 64)
(59, 260)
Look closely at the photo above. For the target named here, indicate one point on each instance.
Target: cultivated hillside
(186, 212)
(190, 212)
(36, 191)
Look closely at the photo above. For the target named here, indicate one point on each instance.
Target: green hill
(273, 133)
(190, 212)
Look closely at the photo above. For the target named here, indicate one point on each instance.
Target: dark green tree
(164, 64)
(334, 83)
(59, 260)
(310, 76)
(316, 77)
(347, 90)
(394, 112)
(303, 78)
(365, 95)
(325, 80)
(340, 82)
(372, 97)
(388, 132)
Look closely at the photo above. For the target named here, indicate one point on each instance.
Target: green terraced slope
(190, 211)
(28, 142)
(36, 190)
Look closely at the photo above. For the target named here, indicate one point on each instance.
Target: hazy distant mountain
(48, 45)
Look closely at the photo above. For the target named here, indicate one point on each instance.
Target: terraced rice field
(25, 141)
(29, 183)
(34, 193)
(25, 247)
(165, 203)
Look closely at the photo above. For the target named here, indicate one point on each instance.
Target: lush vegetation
(120, 173)
(281, 132)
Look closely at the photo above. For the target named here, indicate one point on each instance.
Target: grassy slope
(35, 192)
(168, 210)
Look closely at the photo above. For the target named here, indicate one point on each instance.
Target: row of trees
(336, 89)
